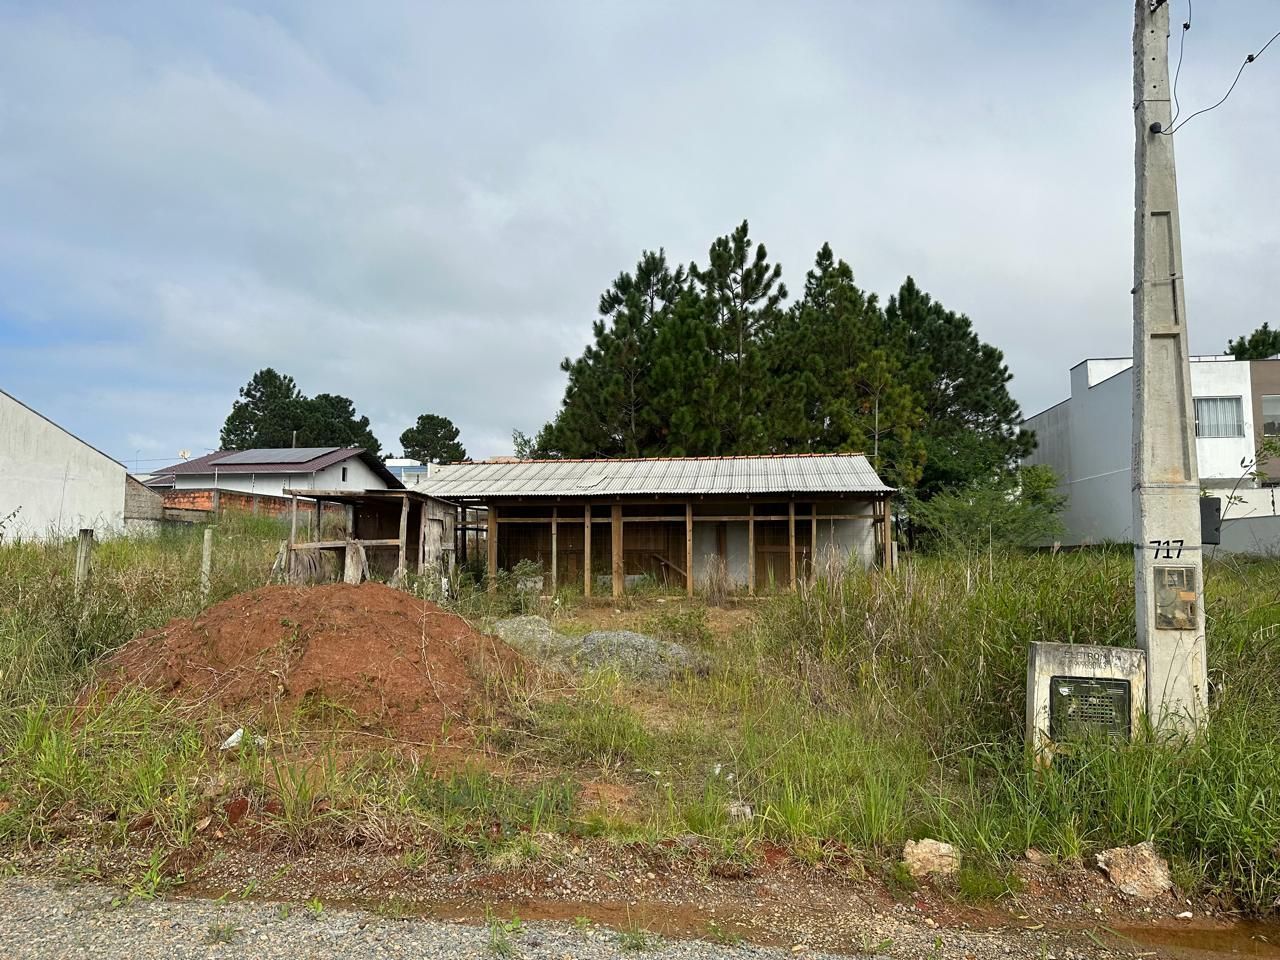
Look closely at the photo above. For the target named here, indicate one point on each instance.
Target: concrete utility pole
(1166, 480)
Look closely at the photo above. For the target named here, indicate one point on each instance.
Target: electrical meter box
(1082, 707)
(1175, 597)
(1077, 690)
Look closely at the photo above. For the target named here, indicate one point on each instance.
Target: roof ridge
(729, 456)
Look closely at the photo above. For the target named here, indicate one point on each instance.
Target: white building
(53, 484)
(268, 471)
(1088, 441)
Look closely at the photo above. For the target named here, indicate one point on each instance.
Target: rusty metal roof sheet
(657, 476)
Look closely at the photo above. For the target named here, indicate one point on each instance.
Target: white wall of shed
(57, 483)
(359, 477)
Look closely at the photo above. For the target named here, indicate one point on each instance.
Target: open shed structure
(387, 532)
(753, 522)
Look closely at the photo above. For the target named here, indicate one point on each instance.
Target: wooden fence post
(206, 564)
(84, 558)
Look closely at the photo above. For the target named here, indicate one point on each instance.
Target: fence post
(84, 555)
(206, 564)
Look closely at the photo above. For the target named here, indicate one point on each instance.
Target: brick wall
(141, 502)
(262, 504)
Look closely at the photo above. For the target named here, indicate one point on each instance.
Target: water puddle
(1241, 939)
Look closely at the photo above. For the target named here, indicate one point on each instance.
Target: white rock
(925, 857)
(738, 810)
(1138, 871)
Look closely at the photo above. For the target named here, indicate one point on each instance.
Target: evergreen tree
(269, 410)
(272, 413)
(433, 439)
(608, 408)
(973, 430)
(330, 420)
(741, 294)
(1262, 344)
(839, 384)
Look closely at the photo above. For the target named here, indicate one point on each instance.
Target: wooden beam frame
(688, 549)
(751, 549)
(404, 536)
(813, 542)
(615, 544)
(491, 546)
(791, 540)
(586, 551)
(887, 537)
(555, 555)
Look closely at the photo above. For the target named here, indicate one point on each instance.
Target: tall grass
(862, 711)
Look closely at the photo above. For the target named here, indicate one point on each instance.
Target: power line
(1182, 42)
(1247, 60)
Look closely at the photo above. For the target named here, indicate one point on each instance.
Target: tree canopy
(433, 439)
(272, 412)
(711, 360)
(1259, 345)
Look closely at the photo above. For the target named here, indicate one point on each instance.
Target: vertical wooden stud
(813, 541)
(751, 549)
(555, 549)
(888, 535)
(586, 551)
(791, 540)
(688, 549)
(492, 546)
(619, 574)
(404, 536)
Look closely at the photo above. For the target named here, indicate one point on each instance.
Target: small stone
(1138, 871)
(738, 810)
(1185, 915)
(925, 857)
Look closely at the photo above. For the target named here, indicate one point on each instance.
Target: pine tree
(1262, 344)
(273, 413)
(269, 410)
(433, 439)
(973, 425)
(742, 296)
(330, 420)
(608, 408)
(839, 383)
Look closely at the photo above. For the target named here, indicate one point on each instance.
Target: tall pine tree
(741, 294)
(974, 431)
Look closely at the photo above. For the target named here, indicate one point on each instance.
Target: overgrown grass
(856, 714)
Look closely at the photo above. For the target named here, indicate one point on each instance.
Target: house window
(1219, 417)
(344, 474)
(1271, 416)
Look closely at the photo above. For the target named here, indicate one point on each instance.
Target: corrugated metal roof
(663, 476)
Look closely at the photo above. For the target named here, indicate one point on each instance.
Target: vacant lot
(818, 733)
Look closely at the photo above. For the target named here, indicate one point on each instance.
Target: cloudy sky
(417, 205)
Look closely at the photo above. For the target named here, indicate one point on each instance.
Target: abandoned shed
(681, 523)
(384, 533)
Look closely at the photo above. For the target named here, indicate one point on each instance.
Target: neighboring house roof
(664, 476)
(275, 460)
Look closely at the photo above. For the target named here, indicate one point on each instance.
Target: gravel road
(44, 919)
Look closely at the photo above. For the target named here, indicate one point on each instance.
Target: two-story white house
(1088, 441)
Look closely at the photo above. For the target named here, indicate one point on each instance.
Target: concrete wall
(1088, 441)
(359, 477)
(57, 482)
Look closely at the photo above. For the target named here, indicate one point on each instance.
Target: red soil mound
(378, 656)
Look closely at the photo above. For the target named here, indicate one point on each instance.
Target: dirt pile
(368, 656)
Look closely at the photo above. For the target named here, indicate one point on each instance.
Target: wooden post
(751, 549)
(352, 563)
(813, 541)
(293, 538)
(404, 535)
(84, 558)
(492, 547)
(319, 515)
(688, 549)
(555, 556)
(791, 540)
(619, 578)
(206, 564)
(586, 551)
(217, 502)
(422, 539)
(887, 535)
